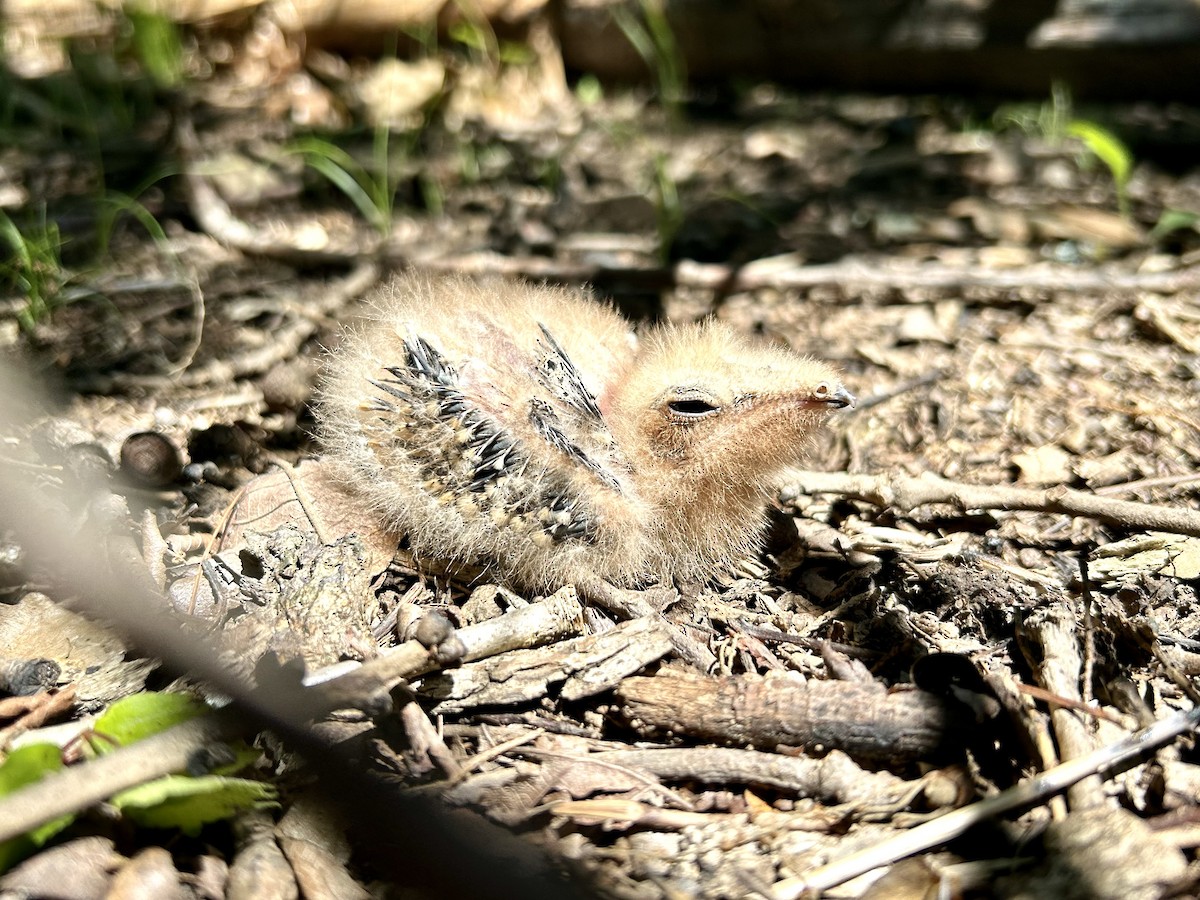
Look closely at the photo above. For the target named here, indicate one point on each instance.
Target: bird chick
(527, 427)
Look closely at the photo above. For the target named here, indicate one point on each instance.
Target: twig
(902, 388)
(834, 778)
(1089, 631)
(554, 618)
(1129, 487)
(885, 273)
(1056, 700)
(1106, 761)
(468, 766)
(905, 493)
(891, 274)
(168, 752)
(44, 706)
(1049, 640)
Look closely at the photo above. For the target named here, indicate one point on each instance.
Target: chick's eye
(692, 408)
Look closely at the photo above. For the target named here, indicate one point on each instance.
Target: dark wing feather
(463, 448)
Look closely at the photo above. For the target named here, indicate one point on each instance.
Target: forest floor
(1009, 288)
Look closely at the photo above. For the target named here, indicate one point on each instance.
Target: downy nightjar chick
(526, 427)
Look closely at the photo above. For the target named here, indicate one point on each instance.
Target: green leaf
(141, 715)
(1173, 220)
(24, 766)
(468, 34)
(190, 803)
(589, 90)
(28, 764)
(1107, 147)
(514, 53)
(158, 46)
(345, 173)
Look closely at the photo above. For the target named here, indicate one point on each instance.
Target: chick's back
(471, 416)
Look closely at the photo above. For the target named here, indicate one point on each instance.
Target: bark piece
(313, 601)
(863, 720)
(319, 873)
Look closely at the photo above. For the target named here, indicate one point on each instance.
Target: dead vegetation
(965, 660)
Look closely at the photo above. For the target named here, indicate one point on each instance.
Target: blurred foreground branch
(417, 841)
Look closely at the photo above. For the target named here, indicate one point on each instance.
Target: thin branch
(409, 837)
(905, 493)
(905, 275)
(786, 272)
(1106, 761)
(557, 617)
(1142, 484)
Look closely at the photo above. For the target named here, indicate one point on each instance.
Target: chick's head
(705, 405)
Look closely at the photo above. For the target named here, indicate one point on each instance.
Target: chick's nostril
(834, 395)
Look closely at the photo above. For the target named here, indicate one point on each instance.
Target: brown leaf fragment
(151, 875)
(1103, 853)
(307, 497)
(77, 870)
(1174, 319)
(318, 873)
(259, 870)
(865, 721)
(1049, 464)
(88, 654)
(393, 92)
(1140, 555)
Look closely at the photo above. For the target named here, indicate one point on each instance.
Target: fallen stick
(1107, 761)
(905, 493)
(864, 721)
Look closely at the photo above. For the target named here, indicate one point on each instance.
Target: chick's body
(525, 427)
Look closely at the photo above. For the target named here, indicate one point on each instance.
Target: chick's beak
(842, 398)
